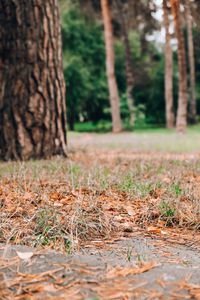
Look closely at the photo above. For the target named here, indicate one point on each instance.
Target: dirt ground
(141, 260)
(130, 268)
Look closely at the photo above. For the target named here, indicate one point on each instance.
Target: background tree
(88, 102)
(32, 91)
(181, 121)
(141, 24)
(169, 107)
(192, 109)
(195, 10)
(123, 13)
(110, 67)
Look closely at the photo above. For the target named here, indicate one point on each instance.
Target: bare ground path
(134, 202)
(133, 268)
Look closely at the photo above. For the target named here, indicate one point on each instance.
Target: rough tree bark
(110, 68)
(32, 89)
(192, 110)
(181, 120)
(128, 61)
(169, 107)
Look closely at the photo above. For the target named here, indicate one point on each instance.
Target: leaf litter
(82, 202)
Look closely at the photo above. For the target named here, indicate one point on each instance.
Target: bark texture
(110, 68)
(181, 120)
(192, 110)
(32, 90)
(128, 60)
(169, 107)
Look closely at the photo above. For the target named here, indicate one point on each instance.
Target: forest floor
(118, 219)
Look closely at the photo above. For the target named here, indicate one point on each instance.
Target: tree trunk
(128, 62)
(181, 120)
(195, 10)
(110, 68)
(192, 111)
(32, 90)
(169, 107)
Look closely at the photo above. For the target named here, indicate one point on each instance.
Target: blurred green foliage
(84, 67)
(87, 94)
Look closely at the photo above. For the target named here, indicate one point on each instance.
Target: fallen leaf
(24, 255)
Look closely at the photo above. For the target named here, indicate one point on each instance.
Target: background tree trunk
(128, 61)
(32, 90)
(192, 110)
(181, 120)
(169, 107)
(195, 11)
(110, 68)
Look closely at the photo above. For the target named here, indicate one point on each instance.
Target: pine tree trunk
(128, 62)
(192, 111)
(169, 107)
(181, 120)
(110, 68)
(32, 89)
